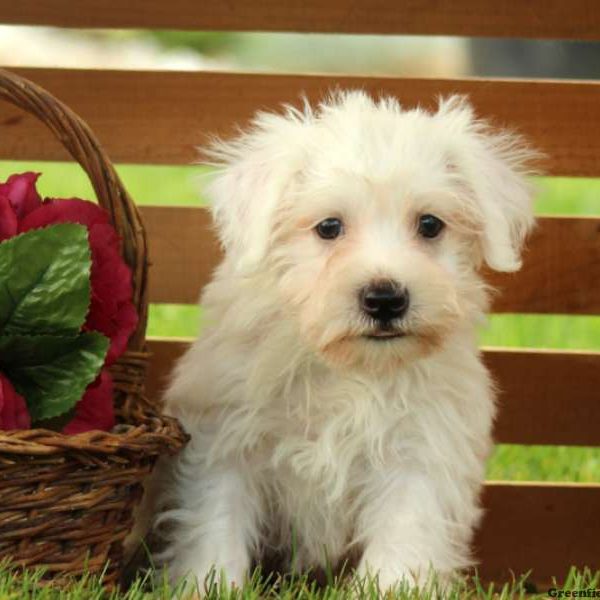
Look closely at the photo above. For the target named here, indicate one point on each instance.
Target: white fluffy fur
(298, 422)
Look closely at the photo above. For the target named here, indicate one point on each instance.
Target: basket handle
(75, 135)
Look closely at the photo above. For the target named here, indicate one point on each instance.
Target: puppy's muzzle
(384, 301)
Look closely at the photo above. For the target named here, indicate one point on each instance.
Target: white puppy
(336, 399)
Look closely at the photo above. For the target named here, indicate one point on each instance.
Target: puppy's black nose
(384, 301)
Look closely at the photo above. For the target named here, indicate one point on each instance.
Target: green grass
(155, 184)
(513, 331)
(159, 184)
(512, 462)
(19, 586)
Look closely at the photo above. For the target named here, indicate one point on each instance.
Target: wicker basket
(66, 502)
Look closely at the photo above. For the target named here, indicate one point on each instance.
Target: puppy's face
(377, 262)
(374, 224)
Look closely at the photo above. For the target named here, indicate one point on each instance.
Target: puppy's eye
(430, 226)
(329, 229)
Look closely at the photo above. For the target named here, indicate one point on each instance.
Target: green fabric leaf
(52, 372)
(45, 281)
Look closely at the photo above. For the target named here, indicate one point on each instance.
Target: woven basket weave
(66, 501)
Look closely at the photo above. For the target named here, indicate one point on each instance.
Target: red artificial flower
(13, 410)
(22, 193)
(8, 219)
(18, 197)
(95, 410)
(111, 310)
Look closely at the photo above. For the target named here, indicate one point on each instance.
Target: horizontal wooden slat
(163, 354)
(561, 273)
(561, 270)
(577, 19)
(542, 528)
(546, 397)
(183, 252)
(152, 117)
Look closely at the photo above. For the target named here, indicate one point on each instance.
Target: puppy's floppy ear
(253, 173)
(496, 168)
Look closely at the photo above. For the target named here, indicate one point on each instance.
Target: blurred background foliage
(424, 56)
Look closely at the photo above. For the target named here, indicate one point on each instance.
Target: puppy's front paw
(200, 571)
(392, 574)
(210, 584)
(388, 577)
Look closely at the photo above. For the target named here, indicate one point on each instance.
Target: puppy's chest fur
(316, 428)
(322, 440)
(315, 445)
